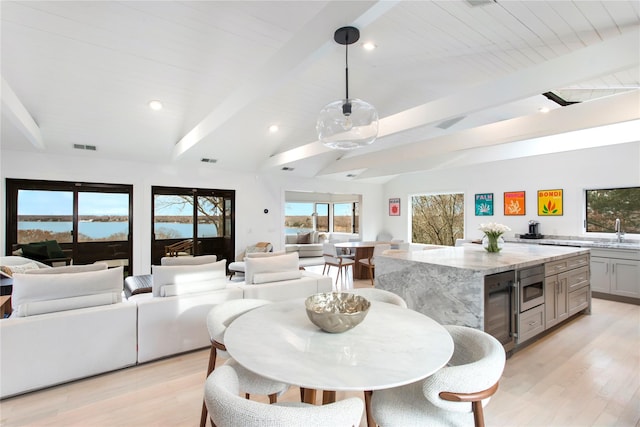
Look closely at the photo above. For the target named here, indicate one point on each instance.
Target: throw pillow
(288, 262)
(162, 275)
(37, 251)
(304, 238)
(10, 270)
(54, 250)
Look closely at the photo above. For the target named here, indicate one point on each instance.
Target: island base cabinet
(531, 323)
(556, 301)
(579, 300)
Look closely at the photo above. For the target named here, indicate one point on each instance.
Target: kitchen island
(448, 284)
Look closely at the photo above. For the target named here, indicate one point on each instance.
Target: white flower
(494, 228)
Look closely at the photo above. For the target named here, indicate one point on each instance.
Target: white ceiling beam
(293, 58)
(612, 55)
(13, 109)
(437, 151)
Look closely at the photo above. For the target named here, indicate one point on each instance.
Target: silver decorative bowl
(336, 312)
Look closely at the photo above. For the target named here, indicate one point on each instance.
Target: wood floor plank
(587, 373)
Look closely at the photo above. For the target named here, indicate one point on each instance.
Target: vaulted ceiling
(455, 82)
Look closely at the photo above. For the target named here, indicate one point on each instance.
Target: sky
(298, 209)
(39, 202)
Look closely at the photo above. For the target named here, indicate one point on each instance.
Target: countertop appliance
(533, 233)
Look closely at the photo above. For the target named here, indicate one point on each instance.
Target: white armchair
(453, 396)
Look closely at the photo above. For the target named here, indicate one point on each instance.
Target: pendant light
(350, 122)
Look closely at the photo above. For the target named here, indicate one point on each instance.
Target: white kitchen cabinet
(616, 272)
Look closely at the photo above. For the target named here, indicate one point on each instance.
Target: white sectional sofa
(65, 326)
(75, 323)
(172, 318)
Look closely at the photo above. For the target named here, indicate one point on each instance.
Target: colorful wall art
(514, 203)
(484, 204)
(549, 202)
(394, 207)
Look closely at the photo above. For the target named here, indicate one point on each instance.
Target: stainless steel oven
(530, 287)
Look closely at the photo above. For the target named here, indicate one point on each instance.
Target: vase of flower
(492, 240)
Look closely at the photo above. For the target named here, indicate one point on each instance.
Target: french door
(192, 221)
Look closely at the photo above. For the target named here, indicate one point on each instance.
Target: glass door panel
(103, 217)
(45, 215)
(173, 217)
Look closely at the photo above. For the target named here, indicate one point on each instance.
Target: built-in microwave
(531, 287)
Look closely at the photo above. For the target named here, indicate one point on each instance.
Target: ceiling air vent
(475, 3)
(351, 175)
(287, 168)
(205, 160)
(84, 147)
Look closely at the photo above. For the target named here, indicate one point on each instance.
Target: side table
(5, 305)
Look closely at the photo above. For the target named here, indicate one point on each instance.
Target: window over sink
(603, 206)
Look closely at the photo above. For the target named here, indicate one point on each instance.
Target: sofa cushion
(69, 269)
(277, 276)
(264, 254)
(37, 293)
(187, 276)
(274, 264)
(188, 260)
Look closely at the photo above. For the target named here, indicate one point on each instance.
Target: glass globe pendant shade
(347, 124)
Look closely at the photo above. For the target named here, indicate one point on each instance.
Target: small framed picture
(484, 204)
(394, 207)
(549, 202)
(514, 203)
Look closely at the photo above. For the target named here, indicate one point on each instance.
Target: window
(90, 221)
(199, 221)
(323, 212)
(298, 217)
(345, 218)
(603, 206)
(437, 219)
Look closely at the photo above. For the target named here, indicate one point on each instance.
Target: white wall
(573, 172)
(254, 193)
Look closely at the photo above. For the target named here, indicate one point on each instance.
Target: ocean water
(100, 230)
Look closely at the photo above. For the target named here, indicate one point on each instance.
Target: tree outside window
(437, 219)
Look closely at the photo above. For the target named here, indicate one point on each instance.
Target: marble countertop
(472, 256)
(579, 242)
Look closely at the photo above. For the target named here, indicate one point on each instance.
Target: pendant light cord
(346, 64)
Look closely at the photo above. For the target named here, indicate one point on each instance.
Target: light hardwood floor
(586, 373)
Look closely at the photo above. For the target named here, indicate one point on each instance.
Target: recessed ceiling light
(544, 109)
(369, 46)
(273, 128)
(155, 105)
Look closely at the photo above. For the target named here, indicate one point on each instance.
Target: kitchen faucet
(619, 232)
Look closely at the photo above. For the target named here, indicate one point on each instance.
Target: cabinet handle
(613, 269)
(606, 270)
(532, 323)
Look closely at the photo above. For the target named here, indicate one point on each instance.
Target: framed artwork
(484, 204)
(549, 202)
(514, 203)
(394, 207)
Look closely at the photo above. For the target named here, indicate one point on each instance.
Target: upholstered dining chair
(332, 259)
(373, 294)
(370, 262)
(228, 409)
(218, 319)
(453, 396)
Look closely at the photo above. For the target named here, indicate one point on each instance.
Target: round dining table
(392, 346)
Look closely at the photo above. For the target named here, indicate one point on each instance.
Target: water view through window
(48, 215)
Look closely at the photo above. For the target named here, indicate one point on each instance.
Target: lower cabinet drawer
(577, 278)
(531, 323)
(579, 300)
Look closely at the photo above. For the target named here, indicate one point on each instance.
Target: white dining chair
(332, 259)
(218, 319)
(370, 262)
(453, 396)
(374, 294)
(227, 409)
